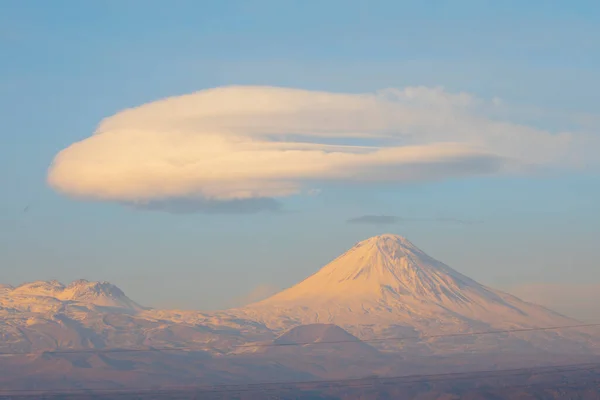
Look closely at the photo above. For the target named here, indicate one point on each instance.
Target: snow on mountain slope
(5, 288)
(39, 288)
(101, 294)
(382, 287)
(45, 315)
(98, 293)
(386, 281)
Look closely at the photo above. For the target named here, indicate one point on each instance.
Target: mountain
(5, 288)
(382, 307)
(39, 288)
(316, 333)
(321, 338)
(101, 294)
(386, 285)
(49, 316)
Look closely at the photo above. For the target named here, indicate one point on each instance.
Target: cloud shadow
(206, 206)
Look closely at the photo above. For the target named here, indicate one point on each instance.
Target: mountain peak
(97, 293)
(387, 278)
(386, 237)
(381, 266)
(79, 282)
(393, 245)
(82, 288)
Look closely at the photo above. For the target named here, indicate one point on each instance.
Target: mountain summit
(98, 293)
(383, 266)
(386, 280)
(102, 294)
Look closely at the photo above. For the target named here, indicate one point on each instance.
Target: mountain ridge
(372, 262)
(383, 286)
(100, 293)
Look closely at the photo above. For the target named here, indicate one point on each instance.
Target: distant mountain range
(383, 287)
(101, 294)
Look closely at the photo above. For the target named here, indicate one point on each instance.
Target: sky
(470, 127)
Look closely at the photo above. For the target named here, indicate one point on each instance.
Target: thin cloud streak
(199, 205)
(392, 219)
(375, 220)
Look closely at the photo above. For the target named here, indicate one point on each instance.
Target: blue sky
(68, 64)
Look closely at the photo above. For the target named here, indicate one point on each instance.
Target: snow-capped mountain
(47, 315)
(385, 285)
(98, 293)
(101, 294)
(365, 305)
(39, 288)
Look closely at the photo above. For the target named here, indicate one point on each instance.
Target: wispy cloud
(392, 219)
(236, 143)
(375, 220)
(207, 206)
(458, 221)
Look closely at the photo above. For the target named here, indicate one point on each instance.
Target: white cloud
(236, 143)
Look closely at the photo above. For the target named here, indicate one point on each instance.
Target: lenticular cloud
(234, 143)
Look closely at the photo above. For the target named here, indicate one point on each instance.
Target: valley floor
(576, 381)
